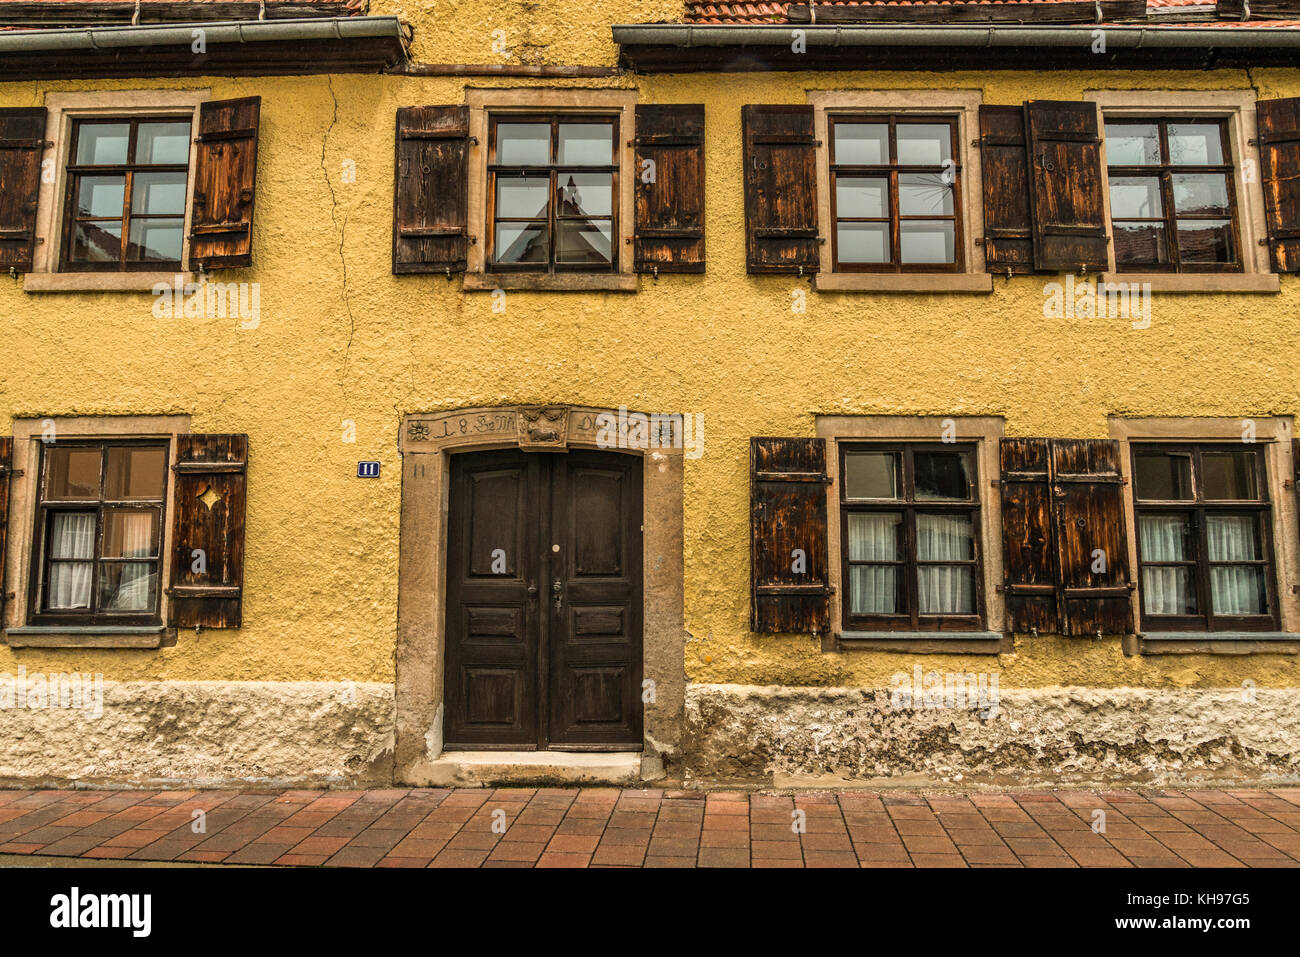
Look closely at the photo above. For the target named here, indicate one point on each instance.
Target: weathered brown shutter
(1028, 549)
(6, 469)
(1279, 154)
(22, 140)
(780, 189)
(208, 530)
(431, 190)
(787, 500)
(669, 172)
(1064, 539)
(1091, 538)
(1065, 184)
(1008, 215)
(225, 183)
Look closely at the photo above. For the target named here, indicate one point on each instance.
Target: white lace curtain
(1234, 590)
(942, 590)
(72, 536)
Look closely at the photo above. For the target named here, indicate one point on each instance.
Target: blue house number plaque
(367, 470)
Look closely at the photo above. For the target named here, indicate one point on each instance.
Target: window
(99, 530)
(125, 206)
(1203, 527)
(895, 193)
(552, 189)
(1173, 204)
(910, 537)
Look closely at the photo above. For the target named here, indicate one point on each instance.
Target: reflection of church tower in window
(570, 199)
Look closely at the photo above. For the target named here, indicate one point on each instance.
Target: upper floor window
(909, 518)
(552, 184)
(99, 532)
(1203, 521)
(1172, 198)
(895, 193)
(127, 180)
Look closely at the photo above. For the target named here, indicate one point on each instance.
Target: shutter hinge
(1288, 483)
(995, 482)
(980, 241)
(6, 470)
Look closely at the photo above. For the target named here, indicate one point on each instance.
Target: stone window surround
(27, 434)
(965, 104)
(1238, 108)
(422, 584)
(62, 109)
(1276, 432)
(985, 432)
(495, 101)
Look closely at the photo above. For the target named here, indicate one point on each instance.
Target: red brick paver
(607, 827)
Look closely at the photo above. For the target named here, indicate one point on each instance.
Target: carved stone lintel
(543, 427)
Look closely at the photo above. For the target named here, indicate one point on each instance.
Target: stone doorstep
(492, 768)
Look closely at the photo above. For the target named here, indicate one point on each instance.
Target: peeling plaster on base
(832, 737)
(206, 734)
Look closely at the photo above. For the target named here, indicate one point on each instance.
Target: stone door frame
(426, 443)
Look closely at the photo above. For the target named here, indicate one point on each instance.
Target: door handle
(532, 591)
(557, 588)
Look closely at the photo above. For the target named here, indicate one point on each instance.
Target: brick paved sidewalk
(651, 828)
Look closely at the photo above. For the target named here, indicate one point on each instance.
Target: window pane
(71, 473)
(1238, 590)
(128, 586)
(97, 242)
(861, 197)
(1135, 197)
(943, 475)
(927, 242)
(1162, 477)
(1165, 538)
(862, 242)
(69, 586)
(102, 144)
(1195, 144)
(1138, 243)
(871, 475)
(924, 194)
(1168, 591)
(586, 194)
(1229, 475)
(1232, 538)
(1132, 144)
(873, 589)
(586, 144)
(158, 143)
(945, 538)
(924, 144)
(129, 533)
(522, 197)
(945, 590)
(159, 194)
(581, 242)
(155, 240)
(135, 474)
(101, 195)
(72, 535)
(524, 144)
(874, 536)
(1200, 194)
(861, 144)
(1205, 241)
(520, 243)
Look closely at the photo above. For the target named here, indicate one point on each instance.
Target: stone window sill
(903, 282)
(100, 281)
(551, 282)
(921, 642)
(86, 636)
(1267, 282)
(1218, 643)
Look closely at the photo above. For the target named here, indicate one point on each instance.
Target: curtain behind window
(72, 535)
(945, 589)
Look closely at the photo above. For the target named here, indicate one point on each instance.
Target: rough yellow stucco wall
(341, 338)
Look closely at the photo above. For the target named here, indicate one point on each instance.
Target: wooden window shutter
(669, 173)
(1279, 154)
(208, 503)
(1008, 214)
(431, 190)
(225, 183)
(1066, 186)
(6, 469)
(781, 233)
(22, 140)
(788, 556)
(1064, 538)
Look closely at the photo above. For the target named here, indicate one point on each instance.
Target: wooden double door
(544, 605)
